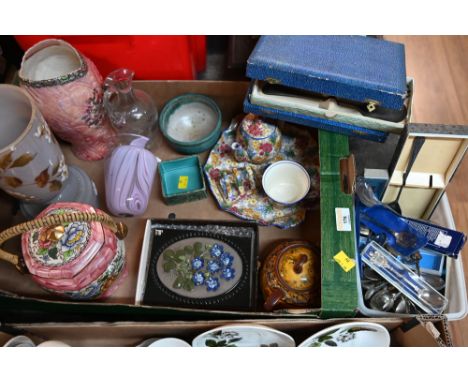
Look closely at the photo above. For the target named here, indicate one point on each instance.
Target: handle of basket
(120, 230)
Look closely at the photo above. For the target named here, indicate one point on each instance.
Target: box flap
(339, 287)
(323, 64)
(425, 330)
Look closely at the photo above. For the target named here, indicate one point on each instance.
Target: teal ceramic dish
(191, 123)
(182, 180)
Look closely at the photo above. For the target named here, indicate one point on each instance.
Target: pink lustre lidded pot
(68, 90)
(71, 249)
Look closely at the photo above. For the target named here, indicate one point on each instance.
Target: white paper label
(432, 329)
(343, 219)
(443, 240)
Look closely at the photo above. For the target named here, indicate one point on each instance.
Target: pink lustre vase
(68, 90)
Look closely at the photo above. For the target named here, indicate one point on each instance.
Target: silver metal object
(370, 274)
(438, 283)
(403, 238)
(371, 291)
(401, 306)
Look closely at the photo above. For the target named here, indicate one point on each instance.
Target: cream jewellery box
(438, 151)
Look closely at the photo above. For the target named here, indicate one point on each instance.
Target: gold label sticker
(183, 182)
(344, 261)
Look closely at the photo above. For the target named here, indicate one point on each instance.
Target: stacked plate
(353, 334)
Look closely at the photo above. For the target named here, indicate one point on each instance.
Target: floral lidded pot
(68, 90)
(71, 249)
(256, 140)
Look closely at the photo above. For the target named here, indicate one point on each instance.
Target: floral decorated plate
(243, 336)
(353, 334)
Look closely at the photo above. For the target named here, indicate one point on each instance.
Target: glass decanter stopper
(131, 111)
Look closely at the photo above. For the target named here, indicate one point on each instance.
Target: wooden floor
(439, 65)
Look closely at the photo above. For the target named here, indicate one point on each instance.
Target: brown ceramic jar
(290, 276)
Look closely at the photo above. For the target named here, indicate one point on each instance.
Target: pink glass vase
(68, 90)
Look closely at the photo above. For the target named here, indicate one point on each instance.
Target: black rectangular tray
(238, 237)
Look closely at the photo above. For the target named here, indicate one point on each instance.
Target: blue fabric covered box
(352, 85)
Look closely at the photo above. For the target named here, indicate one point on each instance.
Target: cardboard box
(21, 295)
(417, 332)
(21, 300)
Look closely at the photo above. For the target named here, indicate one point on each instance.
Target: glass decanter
(131, 111)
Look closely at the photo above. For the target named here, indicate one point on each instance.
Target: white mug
(286, 182)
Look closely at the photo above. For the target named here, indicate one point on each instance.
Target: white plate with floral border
(352, 334)
(243, 336)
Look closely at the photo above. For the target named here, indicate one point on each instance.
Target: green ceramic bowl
(191, 123)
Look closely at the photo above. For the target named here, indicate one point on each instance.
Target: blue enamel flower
(212, 284)
(217, 250)
(198, 278)
(197, 263)
(75, 235)
(226, 259)
(228, 273)
(213, 266)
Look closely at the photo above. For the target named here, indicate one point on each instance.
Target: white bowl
(170, 342)
(53, 344)
(19, 342)
(164, 342)
(352, 334)
(286, 182)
